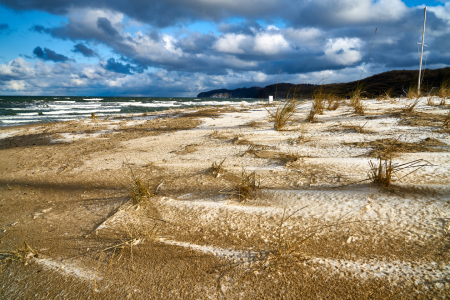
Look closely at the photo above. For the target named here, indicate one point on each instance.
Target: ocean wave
(62, 112)
(62, 107)
(28, 114)
(92, 99)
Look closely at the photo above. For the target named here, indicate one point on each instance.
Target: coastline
(67, 187)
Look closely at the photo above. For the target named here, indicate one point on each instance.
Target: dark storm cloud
(162, 13)
(48, 54)
(398, 30)
(80, 48)
(39, 28)
(105, 25)
(314, 36)
(197, 42)
(3, 27)
(117, 67)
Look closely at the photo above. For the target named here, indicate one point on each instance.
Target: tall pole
(421, 52)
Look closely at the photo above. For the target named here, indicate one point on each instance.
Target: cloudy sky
(183, 47)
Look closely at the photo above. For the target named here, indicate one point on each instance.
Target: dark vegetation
(396, 82)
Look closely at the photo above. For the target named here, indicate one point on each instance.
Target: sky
(168, 48)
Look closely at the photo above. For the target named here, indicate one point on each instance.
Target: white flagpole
(421, 52)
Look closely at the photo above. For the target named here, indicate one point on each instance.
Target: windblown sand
(313, 227)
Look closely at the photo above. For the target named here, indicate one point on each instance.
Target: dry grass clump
(333, 104)
(430, 101)
(137, 191)
(388, 93)
(412, 92)
(134, 235)
(357, 128)
(410, 107)
(382, 173)
(252, 124)
(444, 90)
(355, 100)
(284, 113)
(215, 134)
(311, 118)
(247, 185)
(447, 121)
(318, 101)
(23, 254)
(302, 138)
(254, 149)
(216, 168)
(285, 244)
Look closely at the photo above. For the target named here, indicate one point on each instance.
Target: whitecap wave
(92, 99)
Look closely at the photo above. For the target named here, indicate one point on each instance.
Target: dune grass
(444, 89)
(410, 107)
(22, 254)
(284, 113)
(446, 121)
(356, 100)
(136, 189)
(384, 172)
(217, 168)
(247, 185)
(412, 92)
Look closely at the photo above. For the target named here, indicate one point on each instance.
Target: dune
(214, 203)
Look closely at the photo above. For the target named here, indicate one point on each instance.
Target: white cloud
(343, 51)
(270, 44)
(442, 12)
(230, 43)
(266, 43)
(85, 20)
(359, 11)
(15, 85)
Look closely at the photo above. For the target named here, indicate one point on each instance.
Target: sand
(313, 226)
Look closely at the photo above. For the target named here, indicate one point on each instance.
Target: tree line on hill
(397, 82)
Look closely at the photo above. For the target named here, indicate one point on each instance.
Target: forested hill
(398, 81)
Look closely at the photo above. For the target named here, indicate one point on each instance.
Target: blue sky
(183, 47)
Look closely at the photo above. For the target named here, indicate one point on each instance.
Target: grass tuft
(430, 101)
(333, 104)
(284, 113)
(410, 107)
(355, 100)
(137, 191)
(358, 128)
(216, 168)
(447, 121)
(247, 185)
(412, 92)
(382, 173)
(318, 101)
(311, 118)
(23, 254)
(388, 93)
(444, 90)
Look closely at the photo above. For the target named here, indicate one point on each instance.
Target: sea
(21, 110)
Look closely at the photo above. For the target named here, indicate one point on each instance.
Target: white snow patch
(392, 270)
(67, 268)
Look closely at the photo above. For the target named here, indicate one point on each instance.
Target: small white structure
(270, 99)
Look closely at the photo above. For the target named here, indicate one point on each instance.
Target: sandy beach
(214, 203)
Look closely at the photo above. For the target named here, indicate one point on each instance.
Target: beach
(214, 203)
